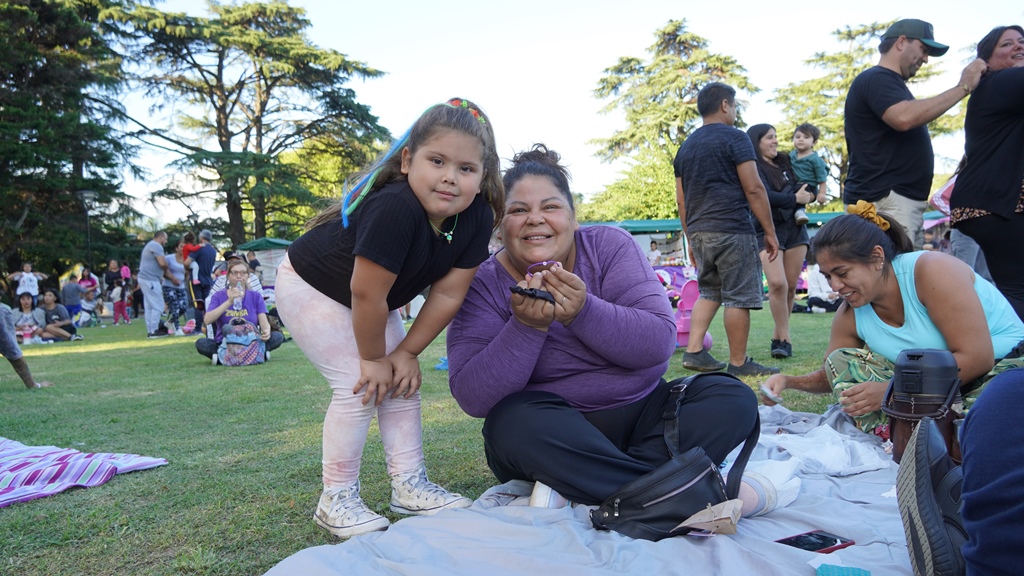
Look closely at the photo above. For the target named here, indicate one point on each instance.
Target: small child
(187, 250)
(809, 168)
(119, 296)
(420, 216)
(89, 315)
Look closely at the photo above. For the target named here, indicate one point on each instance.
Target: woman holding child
(784, 195)
(897, 299)
(561, 345)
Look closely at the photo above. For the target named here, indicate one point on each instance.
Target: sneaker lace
(344, 502)
(418, 486)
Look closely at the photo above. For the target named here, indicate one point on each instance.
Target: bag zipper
(678, 490)
(675, 492)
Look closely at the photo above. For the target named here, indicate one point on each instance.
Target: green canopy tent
(270, 252)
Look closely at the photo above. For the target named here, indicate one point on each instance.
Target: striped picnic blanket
(30, 472)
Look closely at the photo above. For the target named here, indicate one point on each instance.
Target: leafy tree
(659, 98)
(821, 100)
(57, 70)
(659, 95)
(647, 191)
(252, 87)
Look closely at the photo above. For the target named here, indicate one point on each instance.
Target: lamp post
(87, 197)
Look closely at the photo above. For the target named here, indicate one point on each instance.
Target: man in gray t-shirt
(717, 189)
(152, 269)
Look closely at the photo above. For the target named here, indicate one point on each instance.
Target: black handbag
(653, 506)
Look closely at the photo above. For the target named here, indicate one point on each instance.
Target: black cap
(917, 30)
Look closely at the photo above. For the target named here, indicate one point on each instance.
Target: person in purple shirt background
(221, 312)
(569, 380)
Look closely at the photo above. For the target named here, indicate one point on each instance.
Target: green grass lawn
(243, 446)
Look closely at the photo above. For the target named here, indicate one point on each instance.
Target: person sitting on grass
(9, 349)
(59, 325)
(897, 299)
(28, 320)
(236, 302)
(566, 368)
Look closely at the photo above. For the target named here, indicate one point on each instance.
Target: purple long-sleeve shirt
(613, 353)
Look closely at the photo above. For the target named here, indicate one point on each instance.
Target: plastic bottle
(237, 304)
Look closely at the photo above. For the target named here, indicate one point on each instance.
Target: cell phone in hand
(540, 266)
(770, 395)
(817, 541)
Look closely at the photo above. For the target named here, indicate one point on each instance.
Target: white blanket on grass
(519, 540)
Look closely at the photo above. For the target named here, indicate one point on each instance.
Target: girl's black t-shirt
(390, 228)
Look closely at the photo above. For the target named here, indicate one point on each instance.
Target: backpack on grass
(241, 345)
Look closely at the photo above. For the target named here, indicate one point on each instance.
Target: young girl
(119, 296)
(420, 216)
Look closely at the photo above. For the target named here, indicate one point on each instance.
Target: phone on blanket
(817, 541)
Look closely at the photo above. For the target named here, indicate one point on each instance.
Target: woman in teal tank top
(896, 299)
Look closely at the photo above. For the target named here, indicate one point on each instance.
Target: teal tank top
(918, 330)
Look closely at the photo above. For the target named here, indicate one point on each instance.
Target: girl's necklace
(447, 235)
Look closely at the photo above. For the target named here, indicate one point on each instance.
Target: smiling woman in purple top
(567, 370)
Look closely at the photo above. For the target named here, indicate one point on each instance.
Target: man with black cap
(890, 150)
(205, 258)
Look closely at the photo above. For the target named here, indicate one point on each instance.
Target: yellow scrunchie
(866, 210)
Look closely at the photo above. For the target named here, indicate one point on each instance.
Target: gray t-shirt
(712, 193)
(71, 294)
(177, 270)
(149, 268)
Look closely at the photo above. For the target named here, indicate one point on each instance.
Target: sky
(532, 65)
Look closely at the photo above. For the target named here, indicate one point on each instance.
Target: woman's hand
(235, 292)
(376, 377)
(407, 375)
(533, 312)
(804, 195)
(569, 290)
(864, 398)
(776, 383)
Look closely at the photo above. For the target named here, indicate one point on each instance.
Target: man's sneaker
(702, 361)
(544, 497)
(413, 493)
(511, 493)
(818, 310)
(782, 349)
(751, 368)
(77, 337)
(801, 217)
(928, 488)
(343, 513)
(156, 334)
(179, 332)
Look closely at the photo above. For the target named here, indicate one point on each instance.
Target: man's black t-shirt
(205, 258)
(390, 228)
(881, 158)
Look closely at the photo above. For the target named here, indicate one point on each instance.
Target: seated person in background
(897, 299)
(820, 296)
(89, 316)
(254, 265)
(28, 320)
(59, 325)
(571, 388)
(9, 349)
(221, 281)
(223, 309)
